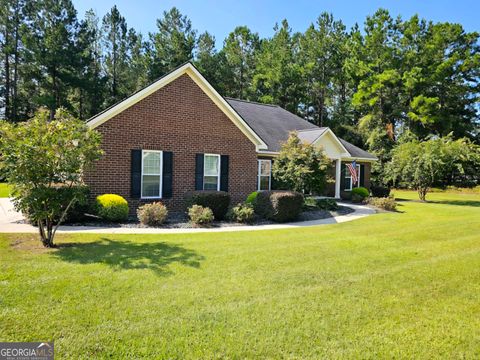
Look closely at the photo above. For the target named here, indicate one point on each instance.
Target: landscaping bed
(179, 220)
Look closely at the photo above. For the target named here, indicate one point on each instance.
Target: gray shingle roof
(355, 151)
(273, 124)
(310, 135)
(270, 122)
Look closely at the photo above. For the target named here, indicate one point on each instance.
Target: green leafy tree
(44, 161)
(423, 164)
(300, 166)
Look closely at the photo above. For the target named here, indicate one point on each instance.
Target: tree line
(374, 84)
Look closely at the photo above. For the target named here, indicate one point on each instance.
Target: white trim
(259, 174)
(198, 78)
(219, 170)
(268, 153)
(369, 160)
(160, 175)
(338, 177)
(329, 131)
(350, 176)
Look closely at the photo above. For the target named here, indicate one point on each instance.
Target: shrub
(217, 201)
(380, 191)
(153, 214)
(359, 194)
(251, 198)
(112, 207)
(200, 215)
(242, 213)
(387, 203)
(327, 204)
(312, 203)
(279, 206)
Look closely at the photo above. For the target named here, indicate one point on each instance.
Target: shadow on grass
(125, 255)
(473, 203)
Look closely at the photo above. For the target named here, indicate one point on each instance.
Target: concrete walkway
(12, 222)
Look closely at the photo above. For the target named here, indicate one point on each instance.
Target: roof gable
(332, 146)
(206, 87)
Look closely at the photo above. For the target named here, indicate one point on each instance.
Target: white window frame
(160, 175)
(219, 170)
(349, 176)
(259, 174)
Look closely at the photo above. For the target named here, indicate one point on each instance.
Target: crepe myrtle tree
(423, 164)
(44, 160)
(300, 166)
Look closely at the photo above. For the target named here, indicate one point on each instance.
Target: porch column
(338, 174)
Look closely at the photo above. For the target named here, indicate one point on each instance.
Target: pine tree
(115, 44)
(172, 45)
(278, 70)
(238, 61)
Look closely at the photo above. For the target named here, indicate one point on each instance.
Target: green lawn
(4, 190)
(393, 285)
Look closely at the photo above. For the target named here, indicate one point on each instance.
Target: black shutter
(224, 173)
(362, 175)
(167, 186)
(136, 174)
(199, 172)
(343, 168)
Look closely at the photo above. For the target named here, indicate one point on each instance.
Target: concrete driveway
(8, 215)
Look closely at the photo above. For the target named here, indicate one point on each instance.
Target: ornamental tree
(44, 161)
(300, 166)
(422, 164)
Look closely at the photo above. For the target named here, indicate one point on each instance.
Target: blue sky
(221, 17)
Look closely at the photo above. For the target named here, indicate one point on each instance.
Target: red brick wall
(180, 118)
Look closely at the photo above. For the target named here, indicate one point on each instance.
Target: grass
(392, 285)
(4, 190)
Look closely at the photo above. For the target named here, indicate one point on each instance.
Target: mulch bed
(178, 220)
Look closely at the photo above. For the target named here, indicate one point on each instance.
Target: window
(151, 174)
(264, 174)
(211, 172)
(348, 178)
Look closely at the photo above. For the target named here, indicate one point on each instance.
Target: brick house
(178, 135)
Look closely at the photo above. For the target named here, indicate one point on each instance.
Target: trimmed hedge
(112, 207)
(380, 191)
(252, 197)
(279, 206)
(217, 201)
(359, 194)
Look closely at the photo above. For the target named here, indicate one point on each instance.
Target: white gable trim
(208, 89)
(329, 131)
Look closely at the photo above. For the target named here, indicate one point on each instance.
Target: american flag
(353, 171)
